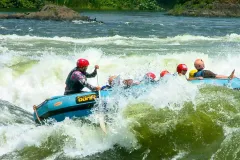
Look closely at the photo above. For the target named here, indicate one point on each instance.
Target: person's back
(192, 75)
(77, 78)
(201, 72)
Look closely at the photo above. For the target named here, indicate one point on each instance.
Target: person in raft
(112, 81)
(164, 72)
(191, 75)
(201, 72)
(129, 82)
(77, 78)
(149, 78)
(181, 70)
(115, 81)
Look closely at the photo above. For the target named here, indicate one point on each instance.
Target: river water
(175, 120)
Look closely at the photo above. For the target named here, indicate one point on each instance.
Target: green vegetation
(21, 3)
(178, 5)
(115, 4)
(197, 6)
(192, 4)
(85, 4)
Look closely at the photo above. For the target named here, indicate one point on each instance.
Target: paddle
(101, 116)
(231, 75)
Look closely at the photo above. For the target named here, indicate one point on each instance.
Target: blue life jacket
(199, 74)
(106, 87)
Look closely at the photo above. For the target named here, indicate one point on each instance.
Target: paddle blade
(232, 75)
(102, 123)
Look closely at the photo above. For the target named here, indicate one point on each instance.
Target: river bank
(214, 9)
(203, 8)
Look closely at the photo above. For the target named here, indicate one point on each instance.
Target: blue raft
(72, 106)
(80, 104)
(233, 84)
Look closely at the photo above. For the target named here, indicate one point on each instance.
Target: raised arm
(94, 73)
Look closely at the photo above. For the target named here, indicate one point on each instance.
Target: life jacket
(199, 73)
(106, 87)
(72, 86)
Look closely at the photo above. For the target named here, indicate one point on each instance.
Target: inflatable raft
(233, 83)
(72, 106)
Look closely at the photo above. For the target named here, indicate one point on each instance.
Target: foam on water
(80, 139)
(29, 77)
(127, 40)
(46, 77)
(172, 93)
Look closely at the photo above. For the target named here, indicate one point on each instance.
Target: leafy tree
(114, 4)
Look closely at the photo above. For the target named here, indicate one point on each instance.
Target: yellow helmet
(192, 72)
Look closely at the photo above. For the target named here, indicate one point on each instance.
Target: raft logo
(57, 104)
(81, 99)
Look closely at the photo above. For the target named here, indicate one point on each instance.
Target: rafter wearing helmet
(77, 78)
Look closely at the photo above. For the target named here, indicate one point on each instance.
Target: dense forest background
(114, 4)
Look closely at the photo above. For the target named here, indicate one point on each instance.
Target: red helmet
(163, 73)
(181, 67)
(82, 63)
(151, 75)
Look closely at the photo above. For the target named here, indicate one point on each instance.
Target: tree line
(109, 4)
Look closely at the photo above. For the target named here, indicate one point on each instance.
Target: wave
(197, 130)
(203, 126)
(114, 39)
(28, 80)
(11, 114)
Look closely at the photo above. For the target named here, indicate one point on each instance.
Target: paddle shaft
(101, 116)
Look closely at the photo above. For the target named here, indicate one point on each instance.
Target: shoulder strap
(199, 73)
